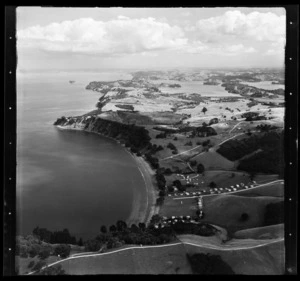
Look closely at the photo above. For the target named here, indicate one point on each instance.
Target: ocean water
(195, 87)
(68, 179)
(266, 85)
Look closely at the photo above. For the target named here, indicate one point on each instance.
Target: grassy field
(167, 260)
(213, 160)
(226, 210)
(174, 207)
(265, 232)
(274, 190)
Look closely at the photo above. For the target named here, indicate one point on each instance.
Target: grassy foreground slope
(166, 260)
(267, 259)
(263, 260)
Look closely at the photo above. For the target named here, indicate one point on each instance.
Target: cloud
(88, 36)
(256, 26)
(186, 14)
(199, 47)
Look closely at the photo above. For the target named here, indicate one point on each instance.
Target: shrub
(200, 168)
(44, 253)
(31, 264)
(63, 250)
(244, 217)
(39, 265)
(168, 171)
(53, 270)
(160, 200)
(92, 245)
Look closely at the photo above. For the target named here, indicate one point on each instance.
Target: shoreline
(142, 209)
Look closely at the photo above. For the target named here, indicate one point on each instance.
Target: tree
(170, 188)
(193, 163)
(200, 168)
(80, 242)
(162, 193)
(63, 250)
(177, 183)
(53, 270)
(168, 171)
(39, 265)
(204, 109)
(212, 184)
(134, 228)
(171, 146)
(121, 225)
(142, 226)
(92, 245)
(112, 228)
(31, 264)
(156, 219)
(244, 217)
(103, 229)
(44, 253)
(160, 200)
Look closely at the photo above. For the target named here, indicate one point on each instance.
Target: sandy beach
(144, 208)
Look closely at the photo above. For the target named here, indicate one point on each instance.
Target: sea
(68, 179)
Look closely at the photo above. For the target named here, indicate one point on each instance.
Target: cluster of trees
(202, 229)
(31, 246)
(253, 116)
(179, 185)
(152, 160)
(125, 106)
(121, 234)
(50, 270)
(203, 131)
(270, 144)
(48, 236)
(162, 135)
(265, 127)
(133, 136)
(172, 147)
(213, 121)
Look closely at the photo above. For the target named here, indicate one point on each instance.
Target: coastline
(142, 209)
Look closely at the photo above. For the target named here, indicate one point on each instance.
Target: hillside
(265, 232)
(226, 210)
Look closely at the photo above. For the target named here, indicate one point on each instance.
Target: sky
(141, 38)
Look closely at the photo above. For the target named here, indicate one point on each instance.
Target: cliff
(135, 137)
